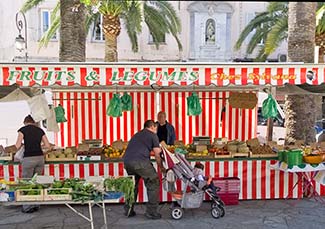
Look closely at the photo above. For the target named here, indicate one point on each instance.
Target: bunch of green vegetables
(121, 184)
(83, 191)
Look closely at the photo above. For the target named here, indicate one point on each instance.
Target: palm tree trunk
(72, 31)
(111, 29)
(300, 109)
(110, 48)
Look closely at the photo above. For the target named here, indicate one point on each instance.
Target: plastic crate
(111, 195)
(227, 184)
(229, 198)
(7, 196)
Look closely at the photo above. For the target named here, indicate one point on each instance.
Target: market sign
(243, 100)
(164, 74)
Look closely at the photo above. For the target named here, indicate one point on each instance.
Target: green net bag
(269, 109)
(59, 114)
(114, 107)
(193, 105)
(126, 100)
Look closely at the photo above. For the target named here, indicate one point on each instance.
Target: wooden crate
(53, 197)
(260, 155)
(22, 196)
(239, 154)
(74, 158)
(7, 158)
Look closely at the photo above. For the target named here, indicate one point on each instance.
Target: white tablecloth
(319, 169)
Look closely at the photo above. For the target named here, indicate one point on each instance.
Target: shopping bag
(39, 107)
(269, 109)
(114, 107)
(59, 114)
(19, 155)
(126, 101)
(193, 105)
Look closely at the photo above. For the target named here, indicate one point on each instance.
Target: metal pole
(20, 25)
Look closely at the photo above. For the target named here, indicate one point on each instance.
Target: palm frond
(91, 19)
(30, 4)
(276, 35)
(320, 14)
(173, 22)
(258, 21)
(112, 7)
(55, 11)
(48, 35)
(132, 20)
(156, 23)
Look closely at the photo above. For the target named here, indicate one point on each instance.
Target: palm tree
(159, 16)
(71, 23)
(300, 109)
(271, 28)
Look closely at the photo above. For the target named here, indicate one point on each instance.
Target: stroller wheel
(216, 212)
(220, 206)
(177, 213)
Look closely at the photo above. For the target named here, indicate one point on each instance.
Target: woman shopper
(33, 161)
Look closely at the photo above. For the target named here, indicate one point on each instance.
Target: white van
(279, 130)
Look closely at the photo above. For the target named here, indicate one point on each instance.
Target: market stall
(85, 90)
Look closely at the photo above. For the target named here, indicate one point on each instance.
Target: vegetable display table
(70, 204)
(308, 175)
(257, 179)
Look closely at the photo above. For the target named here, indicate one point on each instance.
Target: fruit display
(59, 154)
(114, 152)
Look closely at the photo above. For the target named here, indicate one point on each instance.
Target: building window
(46, 23)
(98, 33)
(152, 40)
(210, 32)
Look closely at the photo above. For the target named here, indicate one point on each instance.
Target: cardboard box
(200, 148)
(11, 149)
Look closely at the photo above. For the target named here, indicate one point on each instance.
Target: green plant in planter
(121, 184)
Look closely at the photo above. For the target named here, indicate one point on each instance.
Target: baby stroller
(192, 193)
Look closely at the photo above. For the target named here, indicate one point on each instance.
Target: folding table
(307, 173)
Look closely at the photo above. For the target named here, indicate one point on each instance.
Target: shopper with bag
(33, 160)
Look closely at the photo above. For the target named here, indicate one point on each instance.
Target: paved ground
(257, 214)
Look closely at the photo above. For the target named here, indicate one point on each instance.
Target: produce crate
(8, 157)
(49, 197)
(7, 196)
(74, 158)
(113, 195)
(229, 198)
(89, 158)
(22, 195)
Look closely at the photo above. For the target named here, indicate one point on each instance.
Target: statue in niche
(210, 31)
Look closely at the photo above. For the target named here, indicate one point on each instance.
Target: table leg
(300, 177)
(104, 213)
(91, 215)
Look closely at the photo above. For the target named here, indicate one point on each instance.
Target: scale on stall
(201, 140)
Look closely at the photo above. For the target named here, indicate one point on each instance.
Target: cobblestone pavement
(305, 213)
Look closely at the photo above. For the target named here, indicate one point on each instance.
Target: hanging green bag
(59, 114)
(193, 105)
(114, 107)
(269, 109)
(126, 100)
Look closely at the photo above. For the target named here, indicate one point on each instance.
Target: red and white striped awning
(162, 74)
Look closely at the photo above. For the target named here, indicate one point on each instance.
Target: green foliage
(271, 27)
(121, 184)
(160, 17)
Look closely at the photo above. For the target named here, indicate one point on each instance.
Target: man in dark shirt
(137, 162)
(166, 131)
